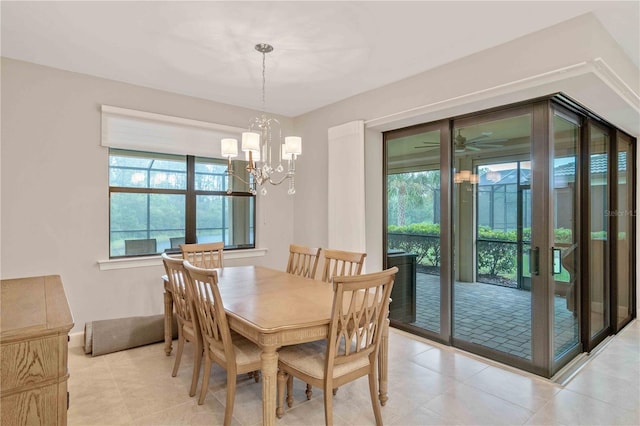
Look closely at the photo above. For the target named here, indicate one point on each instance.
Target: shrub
(422, 239)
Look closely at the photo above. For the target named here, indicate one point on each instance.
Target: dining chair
(341, 263)
(188, 327)
(204, 255)
(303, 260)
(231, 351)
(360, 308)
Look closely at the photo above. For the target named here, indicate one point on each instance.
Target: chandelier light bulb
(293, 145)
(229, 147)
(251, 142)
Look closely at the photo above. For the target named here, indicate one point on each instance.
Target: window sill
(139, 262)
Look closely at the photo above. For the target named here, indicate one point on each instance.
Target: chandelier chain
(264, 81)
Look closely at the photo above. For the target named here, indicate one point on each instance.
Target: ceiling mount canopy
(264, 47)
(264, 147)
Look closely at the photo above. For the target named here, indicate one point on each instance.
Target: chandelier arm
(239, 178)
(278, 182)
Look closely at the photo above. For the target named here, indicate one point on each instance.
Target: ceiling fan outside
(463, 144)
(427, 145)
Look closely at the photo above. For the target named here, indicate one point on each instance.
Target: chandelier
(264, 148)
(466, 176)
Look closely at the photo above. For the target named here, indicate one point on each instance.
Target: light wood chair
(229, 350)
(360, 308)
(341, 263)
(204, 255)
(303, 260)
(188, 327)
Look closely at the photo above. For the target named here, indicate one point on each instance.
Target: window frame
(190, 194)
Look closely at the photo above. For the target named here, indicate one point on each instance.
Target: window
(158, 201)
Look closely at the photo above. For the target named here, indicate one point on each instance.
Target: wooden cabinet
(35, 323)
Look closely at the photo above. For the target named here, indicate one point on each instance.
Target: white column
(346, 187)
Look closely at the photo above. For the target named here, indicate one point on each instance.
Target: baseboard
(76, 340)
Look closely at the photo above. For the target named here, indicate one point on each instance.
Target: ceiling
(324, 51)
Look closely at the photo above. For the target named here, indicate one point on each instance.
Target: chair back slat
(209, 309)
(205, 255)
(342, 263)
(360, 307)
(303, 261)
(179, 289)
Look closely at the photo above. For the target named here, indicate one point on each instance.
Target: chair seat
(246, 351)
(309, 358)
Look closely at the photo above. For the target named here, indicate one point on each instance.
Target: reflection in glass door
(623, 220)
(597, 300)
(565, 254)
(492, 227)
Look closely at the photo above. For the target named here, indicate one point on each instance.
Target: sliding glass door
(623, 226)
(496, 263)
(565, 208)
(513, 230)
(414, 225)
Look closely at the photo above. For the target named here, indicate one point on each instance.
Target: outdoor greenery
(496, 250)
(422, 239)
(148, 199)
(413, 197)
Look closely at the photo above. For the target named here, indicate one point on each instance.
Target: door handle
(534, 261)
(556, 261)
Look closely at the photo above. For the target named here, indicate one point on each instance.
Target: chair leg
(328, 407)
(373, 390)
(231, 396)
(290, 391)
(205, 380)
(197, 362)
(282, 378)
(309, 392)
(176, 364)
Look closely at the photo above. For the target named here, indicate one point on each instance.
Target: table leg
(269, 359)
(383, 364)
(168, 322)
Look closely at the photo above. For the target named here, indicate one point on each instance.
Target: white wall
(55, 198)
(563, 58)
(54, 193)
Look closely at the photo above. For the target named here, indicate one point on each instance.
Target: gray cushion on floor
(106, 336)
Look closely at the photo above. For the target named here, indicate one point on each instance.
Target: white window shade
(144, 131)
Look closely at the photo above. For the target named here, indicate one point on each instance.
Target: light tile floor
(429, 384)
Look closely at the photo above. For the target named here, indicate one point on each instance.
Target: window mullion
(190, 202)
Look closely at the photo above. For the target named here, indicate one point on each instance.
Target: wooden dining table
(273, 308)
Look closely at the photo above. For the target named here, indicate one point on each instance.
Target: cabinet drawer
(37, 406)
(30, 362)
